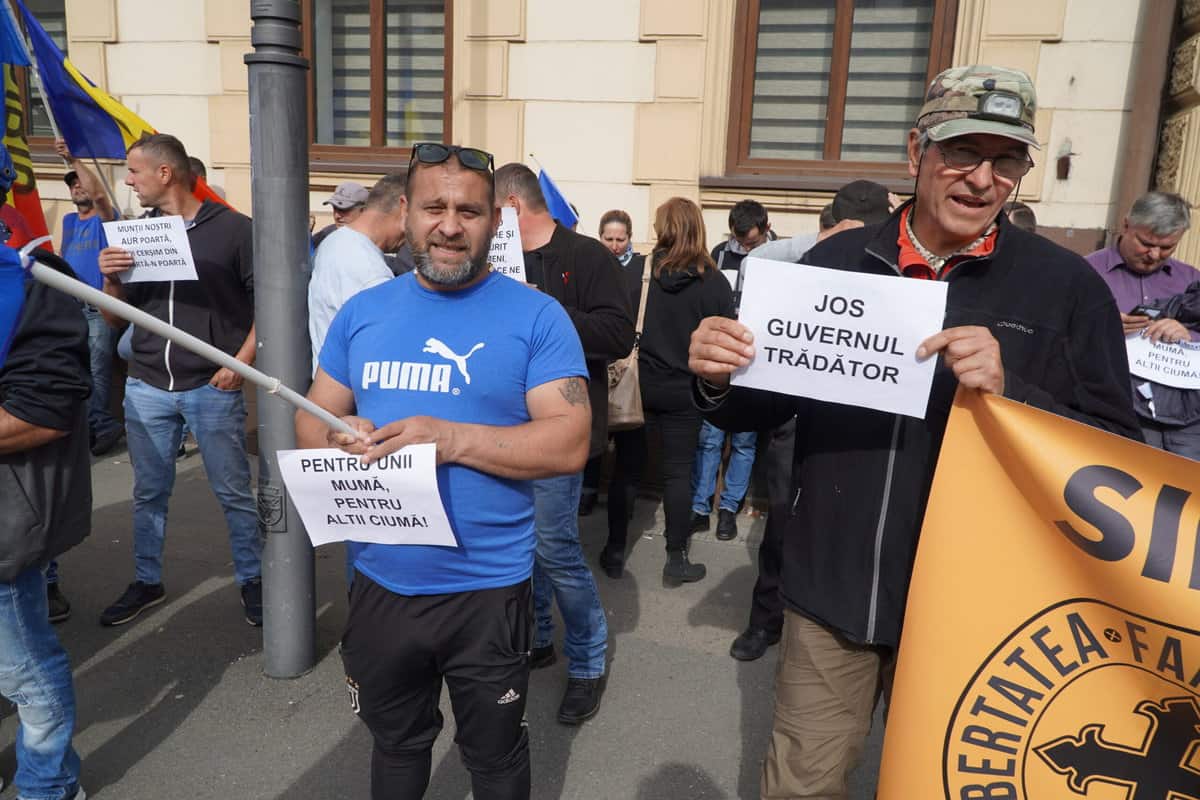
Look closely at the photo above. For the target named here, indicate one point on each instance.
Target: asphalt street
(175, 704)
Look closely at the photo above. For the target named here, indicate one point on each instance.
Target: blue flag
(12, 297)
(558, 206)
(12, 46)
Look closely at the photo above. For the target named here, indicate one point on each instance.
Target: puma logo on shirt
(417, 376)
(436, 347)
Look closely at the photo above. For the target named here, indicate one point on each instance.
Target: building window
(53, 16)
(379, 78)
(827, 89)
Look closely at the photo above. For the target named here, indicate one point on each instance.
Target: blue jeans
(154, 421)
(708, 461)
(101, 343)
(559, 571)
(35, 673)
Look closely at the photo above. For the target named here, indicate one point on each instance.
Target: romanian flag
(92, 122)
(24, 197)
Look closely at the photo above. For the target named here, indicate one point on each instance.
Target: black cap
(70, 177)
(865, 201)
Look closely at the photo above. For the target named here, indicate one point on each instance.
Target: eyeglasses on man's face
(961, 158)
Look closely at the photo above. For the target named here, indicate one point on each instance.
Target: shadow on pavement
(678, 780)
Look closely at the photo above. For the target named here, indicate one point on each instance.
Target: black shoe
(699, 522)
(587, 503)
(752, 643)
(581, 701)
(59, 605)
(105, 442)
(252, 601)
(137, 598)
(679, 569)
(726, 525)
(541, 657)
(612, 563)
(182, 451)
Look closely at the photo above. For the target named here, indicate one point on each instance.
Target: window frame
(41, 148)
(376, 157)
(829, 173)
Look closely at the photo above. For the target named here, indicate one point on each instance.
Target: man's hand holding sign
(837, 336)
(972, 353)
(149, 249)
(721, 346)
(852, 533)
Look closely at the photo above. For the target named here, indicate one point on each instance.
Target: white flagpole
(112, 196)
(37, 74)
(81, 291)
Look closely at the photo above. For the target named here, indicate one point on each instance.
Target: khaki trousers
(825, 694)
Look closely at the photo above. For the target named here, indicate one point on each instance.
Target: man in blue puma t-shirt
(493, 373)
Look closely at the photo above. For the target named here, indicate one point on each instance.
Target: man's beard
(84, 205)
(458, 275)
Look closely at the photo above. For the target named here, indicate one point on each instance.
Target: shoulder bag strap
(641, 315)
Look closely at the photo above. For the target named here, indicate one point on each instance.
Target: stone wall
(625, 103)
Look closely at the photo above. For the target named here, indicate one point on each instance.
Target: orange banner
(1051, 647)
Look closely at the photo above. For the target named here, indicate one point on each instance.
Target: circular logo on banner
(1084, 700)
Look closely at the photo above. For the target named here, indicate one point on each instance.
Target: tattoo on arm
(574, 391)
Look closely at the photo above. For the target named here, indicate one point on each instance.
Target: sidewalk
(175, 705)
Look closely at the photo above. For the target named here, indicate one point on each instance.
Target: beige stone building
(628, 102)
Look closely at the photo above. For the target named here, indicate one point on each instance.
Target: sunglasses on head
(437, 153)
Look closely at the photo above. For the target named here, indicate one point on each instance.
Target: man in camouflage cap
(1025, 319)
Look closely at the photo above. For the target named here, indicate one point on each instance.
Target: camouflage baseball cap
(979, 99)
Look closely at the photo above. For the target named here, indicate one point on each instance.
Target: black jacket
(1185, 306)
(676, 304)
(864, 475)
(46, 492)
(581, 274)
(218, 308)
(1172, 406)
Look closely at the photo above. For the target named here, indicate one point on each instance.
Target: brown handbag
(624, 391)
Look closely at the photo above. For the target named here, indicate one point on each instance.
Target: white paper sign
(393, 501)
(160, 248)
(1175, 365)
(506, 256)
(844, 337)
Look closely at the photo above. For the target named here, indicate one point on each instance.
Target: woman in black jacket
(685, 287)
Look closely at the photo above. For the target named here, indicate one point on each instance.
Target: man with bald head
(494, 375)
(169, 386)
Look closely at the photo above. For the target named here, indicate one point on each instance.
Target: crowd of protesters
(401, 276)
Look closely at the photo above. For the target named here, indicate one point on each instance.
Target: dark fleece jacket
(581, 274)
(218, 308)
(46, 492)
(865, 475)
